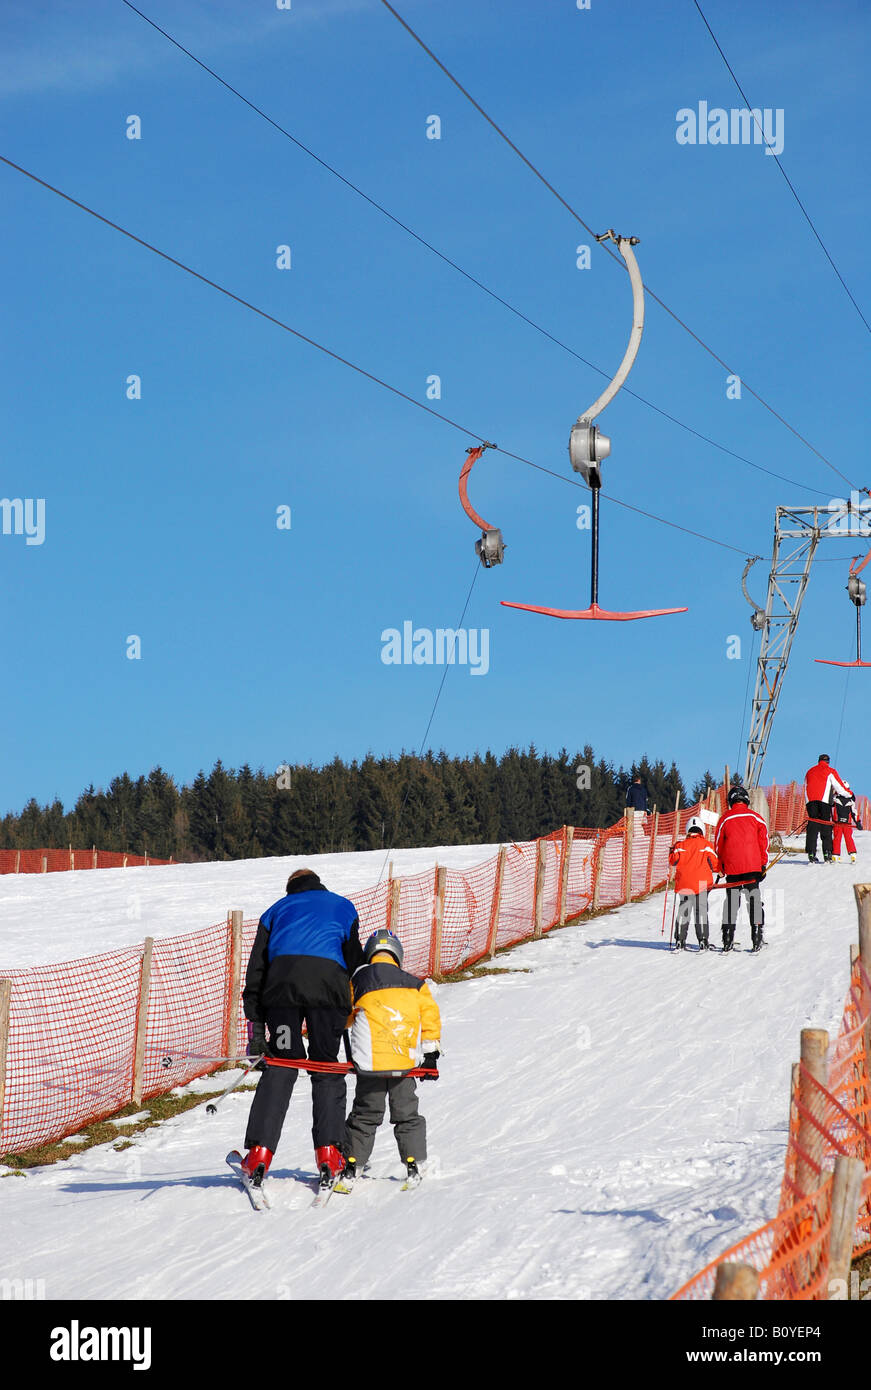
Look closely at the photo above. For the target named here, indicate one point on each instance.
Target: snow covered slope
(610, 1117)
(62, 916)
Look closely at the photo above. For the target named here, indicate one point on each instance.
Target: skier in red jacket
(821, 785)
(742, 847)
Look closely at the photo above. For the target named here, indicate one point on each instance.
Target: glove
(430, 1061)
(763, 875)
(257, 1044)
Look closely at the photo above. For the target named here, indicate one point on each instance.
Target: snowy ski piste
(610, 1115)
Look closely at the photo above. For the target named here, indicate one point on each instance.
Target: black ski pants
(754, 901)
(686, 903)
(367, 1112)
(817, 811)
(272, 1097)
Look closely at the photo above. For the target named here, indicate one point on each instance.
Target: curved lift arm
(491, 547)
(588, 448)
(757, 617)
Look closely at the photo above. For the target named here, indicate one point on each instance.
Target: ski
(256, 1195)
(325, 1190)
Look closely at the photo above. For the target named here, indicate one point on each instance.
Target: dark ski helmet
(383, 940)
(738, 794)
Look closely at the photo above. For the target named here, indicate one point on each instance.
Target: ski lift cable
(789, 183)
(576, 215)
(345, 362)
(448, 663)
(843, 709)
(373, 202)
(747, 685)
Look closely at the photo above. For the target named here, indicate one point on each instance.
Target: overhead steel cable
(328, 352)
(614, 257)
(789, 182)
(447, 260)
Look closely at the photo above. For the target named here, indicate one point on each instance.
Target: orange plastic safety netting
(50, 861)
(828, 1119)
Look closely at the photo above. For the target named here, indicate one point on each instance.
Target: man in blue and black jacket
(306, 949)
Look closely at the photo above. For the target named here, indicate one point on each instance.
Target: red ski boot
(256, 1164)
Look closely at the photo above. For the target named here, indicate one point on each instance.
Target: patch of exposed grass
(159, 1108)
(476, 971)
(863, 1269)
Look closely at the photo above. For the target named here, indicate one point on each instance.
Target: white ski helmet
(695, 827)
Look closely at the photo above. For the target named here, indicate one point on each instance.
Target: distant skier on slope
(306, 948)
(821, 784)
(741, 843)
(636, 796)
(697, 863)
(395, 1021)
(845, 817)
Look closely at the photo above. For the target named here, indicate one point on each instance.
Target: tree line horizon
(396, 802)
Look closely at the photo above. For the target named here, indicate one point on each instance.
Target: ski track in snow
(604, 1125)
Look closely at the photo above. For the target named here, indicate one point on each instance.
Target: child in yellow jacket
(394, 1020)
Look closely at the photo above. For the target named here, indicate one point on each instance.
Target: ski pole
(212, 1107)
(671, 928)
(664, 905)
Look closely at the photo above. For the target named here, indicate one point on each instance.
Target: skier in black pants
(821, 785)
(742, 848)
(306, 948)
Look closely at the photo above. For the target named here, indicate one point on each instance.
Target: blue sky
(264, 645)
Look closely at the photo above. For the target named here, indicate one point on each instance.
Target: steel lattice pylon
(797, 532)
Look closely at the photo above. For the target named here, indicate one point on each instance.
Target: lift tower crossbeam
(797, 532)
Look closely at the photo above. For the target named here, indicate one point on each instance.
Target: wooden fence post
(18, 861)
(45, 863)
(597, 871)
(814, 1046)
(628, 835)
(494, 906)
(393, 906)
(540, 856)
(568, 841)
(72, 858)
(846, 1200)
(735, 1283)
(648, 882)
(862, 893)
(438, 917)
(234, 984)
(5, 1005)
(142, 1021)
(94, 854)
